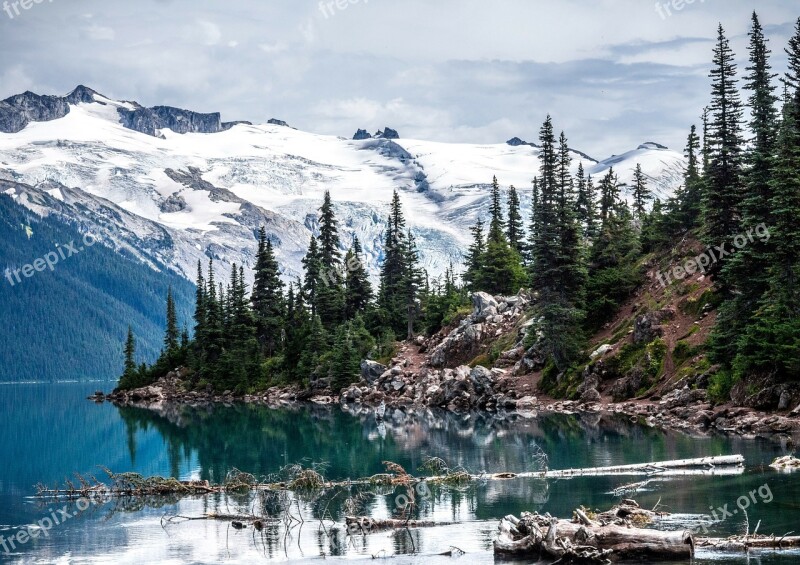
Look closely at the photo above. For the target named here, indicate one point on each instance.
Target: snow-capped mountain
(174, 186)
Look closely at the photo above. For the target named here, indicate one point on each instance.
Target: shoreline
(682, 410)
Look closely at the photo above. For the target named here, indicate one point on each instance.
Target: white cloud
(99, 33)
(611, 72)
(207, 32)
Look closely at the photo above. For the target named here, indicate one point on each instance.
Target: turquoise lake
(50, 432)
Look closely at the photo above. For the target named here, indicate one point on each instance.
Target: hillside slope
(69, 323)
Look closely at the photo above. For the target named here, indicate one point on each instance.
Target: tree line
(317, 328)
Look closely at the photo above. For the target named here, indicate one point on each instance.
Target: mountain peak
(652, 145)
(82, 94)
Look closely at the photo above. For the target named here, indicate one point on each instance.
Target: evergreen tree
(530, 256)
(613, 273)
(267, 296)
(297, 330)
(496, 223)
(330, 302)
(724, 185)
(215, 318)
(556, 254)
(411, 282)
(346, 361)
(502, 271)
(389, 295)
(358, 289)
(328, 235)
(473, 277)
(130, 353)
(771, 343)
(746, 272)
(172, 334)
(641, 194)
(570, 254)
(200, 312)
(609, 196)
(514, 225)
(312, 264)
(315, 346)
(792, 78)
(586, 208)
(691, 202)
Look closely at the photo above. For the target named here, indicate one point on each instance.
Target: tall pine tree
(267, 296)
(723, 189)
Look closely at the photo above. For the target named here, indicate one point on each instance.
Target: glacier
(175, 198)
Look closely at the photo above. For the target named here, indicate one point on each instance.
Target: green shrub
(720, 386)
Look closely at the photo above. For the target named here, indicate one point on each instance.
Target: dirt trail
(414, 358)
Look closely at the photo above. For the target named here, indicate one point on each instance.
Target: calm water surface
(51, 431)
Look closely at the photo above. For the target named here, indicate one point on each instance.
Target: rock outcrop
(17, 111)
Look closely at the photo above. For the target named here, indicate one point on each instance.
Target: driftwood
(678, 466)
(787, 462)
(743, 543)
(366, 525)
(600, 539)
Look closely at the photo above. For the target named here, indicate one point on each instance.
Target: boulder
(371, 371)
(590, 395)
(482, 303)
(526, 403)
(482, 381)
(602, 350)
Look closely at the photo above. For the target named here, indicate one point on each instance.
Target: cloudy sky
(613, 73)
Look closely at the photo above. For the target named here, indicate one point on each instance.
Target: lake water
(51, 431)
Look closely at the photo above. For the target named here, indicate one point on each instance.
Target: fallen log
(688, 466)
(366, 525)
(743, 543)
(589, 538)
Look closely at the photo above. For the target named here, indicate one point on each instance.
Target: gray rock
(590, 395)
(362, 134)
(526, 403)
(647, 327)
(602, 350)
(785, 400)
(175, 203)
(388, 133)
(371, 371)
(482, 302)
(481, 379)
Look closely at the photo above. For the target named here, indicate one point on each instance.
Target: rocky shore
(433, 373)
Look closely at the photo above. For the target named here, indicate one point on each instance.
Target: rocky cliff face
(19, 110)
(150, 120)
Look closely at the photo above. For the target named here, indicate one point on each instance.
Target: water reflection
(58, 433)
